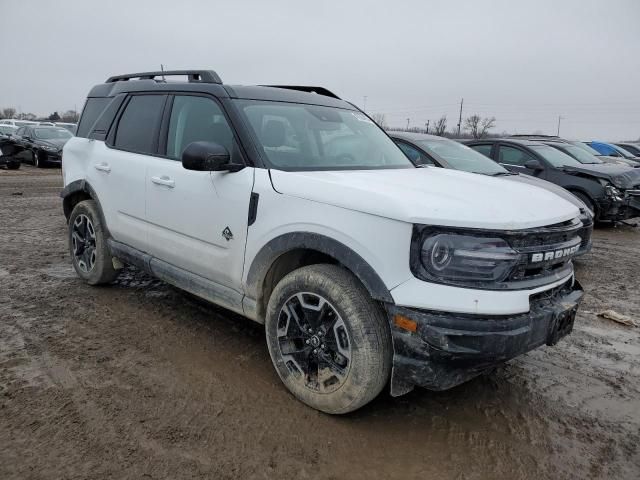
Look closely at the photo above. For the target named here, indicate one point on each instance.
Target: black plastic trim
(253, 208)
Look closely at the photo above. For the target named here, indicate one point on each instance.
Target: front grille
(559, 241)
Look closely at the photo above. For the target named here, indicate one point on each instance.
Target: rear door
(117, 169)
(198, 220)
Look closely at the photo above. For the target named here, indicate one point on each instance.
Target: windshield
(625, 153)
(579, 154)
(461, 157)
(586, 148)
(555, 157)
(51, 133)
(310, 137)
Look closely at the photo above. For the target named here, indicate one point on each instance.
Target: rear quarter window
(92, 110)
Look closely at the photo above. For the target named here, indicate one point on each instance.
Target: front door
(197, 221)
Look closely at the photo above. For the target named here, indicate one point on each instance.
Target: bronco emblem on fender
(226, 233)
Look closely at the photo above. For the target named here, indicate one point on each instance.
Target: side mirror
(534, 165)
(208, 157)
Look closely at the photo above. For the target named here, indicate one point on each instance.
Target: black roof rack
(308, 89)
(195, 76)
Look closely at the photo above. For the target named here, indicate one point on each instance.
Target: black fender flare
(345, 256)
(81, 186)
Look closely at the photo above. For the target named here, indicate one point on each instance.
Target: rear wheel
(328, 339)
(88, 245)
(38, 160)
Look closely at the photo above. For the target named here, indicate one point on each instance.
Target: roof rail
(195, 76)
(530, 135)
(308, 89)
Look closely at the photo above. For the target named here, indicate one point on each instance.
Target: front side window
(514, 156)
(138, 124)
(311, 137)
(415, 155)
(196, 119)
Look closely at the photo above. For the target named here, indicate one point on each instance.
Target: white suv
(291, 207)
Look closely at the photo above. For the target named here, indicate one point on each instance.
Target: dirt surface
(138, 380)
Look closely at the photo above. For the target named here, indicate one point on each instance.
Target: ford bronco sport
(291, 207)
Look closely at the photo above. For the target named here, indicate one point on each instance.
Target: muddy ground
(137, 380)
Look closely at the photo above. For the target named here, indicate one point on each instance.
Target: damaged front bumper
(621, 208)
(438, 350)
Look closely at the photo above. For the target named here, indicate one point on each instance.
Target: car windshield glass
(461, 157)
(555, 157)
(625, 153)
(579, 154)
(586, 148)
(22, 124)
(311, 137)
(51, 133)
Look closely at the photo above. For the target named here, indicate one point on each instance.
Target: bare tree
(440, 126)
(8, 113)
(479, 127)
(380, 119)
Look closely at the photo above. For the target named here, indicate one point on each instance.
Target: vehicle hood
(552, 187)
(434, 196)
(54, 142)
(622, 176)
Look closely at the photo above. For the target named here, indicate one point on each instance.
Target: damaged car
(291, 207)
(612, 192)
(432, 150)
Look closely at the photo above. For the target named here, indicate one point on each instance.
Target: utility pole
(427, 125)
(408, 124)
(364, 104)
(460, 117)
(559, 118)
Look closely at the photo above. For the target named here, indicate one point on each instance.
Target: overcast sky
(524, 62)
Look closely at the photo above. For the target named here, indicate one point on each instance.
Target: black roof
(207, 81)
(518, 141)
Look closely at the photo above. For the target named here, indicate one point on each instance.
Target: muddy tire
(328, 339)
(88, 245)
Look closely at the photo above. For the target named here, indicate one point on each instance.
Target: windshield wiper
(500, 174)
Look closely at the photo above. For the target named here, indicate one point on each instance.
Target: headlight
(48, 148)
(612, 192)
(458, 258)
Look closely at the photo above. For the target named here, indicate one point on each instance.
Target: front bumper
(447, 349)
(54, 158)
(585, 233)
(617, 210)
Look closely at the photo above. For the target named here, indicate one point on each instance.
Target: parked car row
(39, 144)
(23, 123)
(609, 189)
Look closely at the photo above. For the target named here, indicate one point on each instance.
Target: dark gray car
(611, 191)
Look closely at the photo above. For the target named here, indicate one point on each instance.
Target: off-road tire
(102, 271)
(368, 333)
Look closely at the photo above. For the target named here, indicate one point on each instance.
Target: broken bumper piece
(438, 351)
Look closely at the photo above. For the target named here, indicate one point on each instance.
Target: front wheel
(328, 339)
(88, 245)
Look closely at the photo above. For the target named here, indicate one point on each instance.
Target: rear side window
(414, 154)
(92, 110)
(483, 149)
(139, 122)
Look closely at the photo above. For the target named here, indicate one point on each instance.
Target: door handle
(103, 167)
(164, 181)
